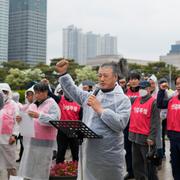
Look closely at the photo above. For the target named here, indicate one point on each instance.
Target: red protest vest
(130, 93)
(173, 114)
(141, 116)
(69, 109)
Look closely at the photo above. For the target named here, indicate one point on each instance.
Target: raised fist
(164, 86)
(62, 66)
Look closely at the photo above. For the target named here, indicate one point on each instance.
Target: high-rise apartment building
(91, 45)
(4, 17)
(109, 45)
(173, 57)
(74, 44)
(82, 46)
(28, 31)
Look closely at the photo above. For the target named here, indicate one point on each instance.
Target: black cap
(88, 83)
(144, 84)
(163, 80)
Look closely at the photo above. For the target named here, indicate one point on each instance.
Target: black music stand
(76, 129)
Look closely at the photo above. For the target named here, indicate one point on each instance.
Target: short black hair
(41, 87)
(134, 75)
(112, 65)
(162, 80)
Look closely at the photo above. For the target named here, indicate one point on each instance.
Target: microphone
(96, 91)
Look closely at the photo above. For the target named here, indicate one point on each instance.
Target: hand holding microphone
(94, 103)
(93, 95)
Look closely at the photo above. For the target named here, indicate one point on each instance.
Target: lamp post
(170, 74)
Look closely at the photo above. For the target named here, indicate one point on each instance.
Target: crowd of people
(133, 115)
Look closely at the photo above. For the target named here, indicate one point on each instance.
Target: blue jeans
(175, 158)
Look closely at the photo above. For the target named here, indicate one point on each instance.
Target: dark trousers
(164, 124)
(175, 159)
(20, 138)
(63, 141)
(142, 167)
(128, 148)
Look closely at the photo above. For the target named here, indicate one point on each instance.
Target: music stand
(76, 129)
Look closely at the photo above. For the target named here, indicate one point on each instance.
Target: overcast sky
(145, 28)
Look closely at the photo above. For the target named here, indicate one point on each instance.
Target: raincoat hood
(15, 96)
(5, 87)
(31, 89)
(154, 78)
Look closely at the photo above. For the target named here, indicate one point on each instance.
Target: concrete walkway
(164, 173)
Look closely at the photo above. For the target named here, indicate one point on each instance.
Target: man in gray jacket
(106, 114)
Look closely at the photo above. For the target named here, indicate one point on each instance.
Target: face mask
(143, 92)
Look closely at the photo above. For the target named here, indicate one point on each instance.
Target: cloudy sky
(145, 28)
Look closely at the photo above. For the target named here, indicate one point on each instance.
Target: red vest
(173, 114)
(130, 93)
(141, 116)
(69, 110)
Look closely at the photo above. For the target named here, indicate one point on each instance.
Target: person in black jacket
(173, 124)
(131, 92)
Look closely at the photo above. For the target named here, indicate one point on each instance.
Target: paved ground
(164, 173)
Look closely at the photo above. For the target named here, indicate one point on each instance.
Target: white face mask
(143, 92)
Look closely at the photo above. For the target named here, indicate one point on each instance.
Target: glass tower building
(28, 31)
(4, 16)
(82, 46)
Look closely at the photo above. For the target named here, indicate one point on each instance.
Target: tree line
(19, 75)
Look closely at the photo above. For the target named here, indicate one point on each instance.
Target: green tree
(3, 74)
(72, 66)
(85, 73)
(48, 71)
(159, 69)
(15, 64)
(18, 79)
